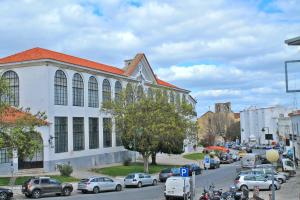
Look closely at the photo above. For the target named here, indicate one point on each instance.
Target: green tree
(20, 133)
(150, 125)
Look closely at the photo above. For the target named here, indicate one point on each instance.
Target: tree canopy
(150, 124)
(18, 126)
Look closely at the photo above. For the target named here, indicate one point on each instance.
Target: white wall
(37, 93)
(253, 120)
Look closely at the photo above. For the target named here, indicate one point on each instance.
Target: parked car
(211, 162)
(242, 153)
(226, 158)
(279, 177)
(168, 172)
(250, 160)
(98, 184)
(286, 174)
(177, 187)
(37, 186)
(193, 168)
(139, 180)
(6, 194)
(250, 181)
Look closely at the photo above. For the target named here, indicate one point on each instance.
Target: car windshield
(130, 176)
(166, 170)
(84, 180)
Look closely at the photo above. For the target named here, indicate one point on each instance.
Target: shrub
(127, 162)
(65, 170)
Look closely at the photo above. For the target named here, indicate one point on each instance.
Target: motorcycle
(211, 194)
(232, 194)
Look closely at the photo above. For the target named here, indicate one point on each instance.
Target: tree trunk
(153, 158)
(146, 163)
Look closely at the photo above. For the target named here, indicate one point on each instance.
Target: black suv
(37, 186)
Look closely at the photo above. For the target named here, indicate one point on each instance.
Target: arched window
(150, 93)
(129, 93)
(13, 85)
(93, 92)
(118, 90)
(171, 97)
(177, 99)
(60, 88)
(106, 91)
(183, 98)
(78, 91)
(140, 93)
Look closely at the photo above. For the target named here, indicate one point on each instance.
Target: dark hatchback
(168, 172)
(5, 194)
(193, 168)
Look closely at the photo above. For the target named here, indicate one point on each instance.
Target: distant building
(207, 124)
(223, 107)
(257, 122)
(295, 121)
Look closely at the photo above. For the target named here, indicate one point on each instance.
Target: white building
(256, 122)
(295, 140)
(71, 90)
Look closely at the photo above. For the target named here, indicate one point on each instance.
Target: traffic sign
(184, 171)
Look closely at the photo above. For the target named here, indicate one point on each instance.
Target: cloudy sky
(221, 50)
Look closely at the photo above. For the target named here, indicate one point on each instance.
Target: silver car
(251, 181)
(281, 178)
(98, 184)
(139, 180)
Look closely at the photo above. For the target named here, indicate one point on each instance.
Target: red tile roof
(164, 83)
(11, 115)
(40, 53)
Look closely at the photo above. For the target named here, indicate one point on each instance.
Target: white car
(98, 184)
(177, 186)
(139, 180)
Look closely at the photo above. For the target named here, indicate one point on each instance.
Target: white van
(250, 160)
(177, 186)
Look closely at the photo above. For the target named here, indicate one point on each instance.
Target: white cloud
(243, 44)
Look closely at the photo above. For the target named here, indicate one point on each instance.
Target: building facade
(71, 90)
(257, 122)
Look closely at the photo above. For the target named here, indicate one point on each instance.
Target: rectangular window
(118, 134)
(61, 134)
(93, 133)
(78, 133)
(4, 156)
(107, 136)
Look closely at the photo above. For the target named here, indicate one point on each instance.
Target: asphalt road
(222, 178)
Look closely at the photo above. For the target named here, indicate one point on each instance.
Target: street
(222, 178)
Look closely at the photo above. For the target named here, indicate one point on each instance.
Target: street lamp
(272, 156)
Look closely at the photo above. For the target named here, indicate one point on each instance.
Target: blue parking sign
(184, 171)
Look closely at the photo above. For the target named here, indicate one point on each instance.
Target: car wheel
(280, 180)
(67, 191)
(96, 190)
(27, 195)
(3, 196)
(36, 194)
(154, 182)
(118, 188)
(243, 187)
(270, 187)
(139, 185)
